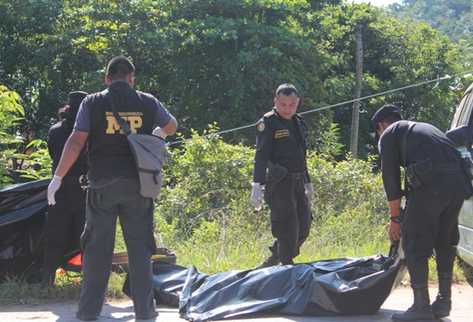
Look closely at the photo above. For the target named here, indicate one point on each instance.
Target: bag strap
(123, 124)
(404, 155)
(404, 143)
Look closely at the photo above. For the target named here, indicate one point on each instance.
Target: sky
(378, 2)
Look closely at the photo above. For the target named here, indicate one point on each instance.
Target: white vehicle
(464, 117)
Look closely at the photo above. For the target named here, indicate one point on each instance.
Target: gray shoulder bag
(150, 155)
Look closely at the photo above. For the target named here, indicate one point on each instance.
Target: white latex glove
(309, 190)
(159, 132)
(257, 195)
(53, 187)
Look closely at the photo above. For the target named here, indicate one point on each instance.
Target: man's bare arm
(395, 207)
(394, 227)
(74, 145)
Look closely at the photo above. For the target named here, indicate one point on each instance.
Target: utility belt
(423, 173)
(277, 172)
(297, 175)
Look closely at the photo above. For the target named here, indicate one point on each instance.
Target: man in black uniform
(281, 146)
(435, 190)
(65, 220)
(114, 187)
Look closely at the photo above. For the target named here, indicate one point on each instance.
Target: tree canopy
(453, 17)
(220, 60)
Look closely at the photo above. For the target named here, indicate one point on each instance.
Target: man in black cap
(281, 144)
(435, 189)
(65, 220)
(114, 189)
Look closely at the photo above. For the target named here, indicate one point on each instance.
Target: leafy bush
(11, 113)
(19, 158)
(205, 216)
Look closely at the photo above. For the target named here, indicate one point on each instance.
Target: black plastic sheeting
(330, 287)
(23, 211)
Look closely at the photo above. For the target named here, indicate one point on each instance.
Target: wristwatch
(396, 219)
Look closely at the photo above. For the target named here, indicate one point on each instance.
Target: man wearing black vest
(435, 190)
(281, 144)
(114, 187)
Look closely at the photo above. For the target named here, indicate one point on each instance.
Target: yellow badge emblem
(279, 134)
(260, 126)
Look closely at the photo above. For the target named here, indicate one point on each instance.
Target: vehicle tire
(467, 270)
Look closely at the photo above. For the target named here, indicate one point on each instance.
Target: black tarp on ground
(22, 214)
(23, 210)
(330, 287)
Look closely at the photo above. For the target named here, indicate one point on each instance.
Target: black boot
(420, 311)
(272, 260)
(443, 303)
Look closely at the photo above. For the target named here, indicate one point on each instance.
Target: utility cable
(318, 109)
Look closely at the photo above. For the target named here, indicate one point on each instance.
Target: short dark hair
(387, 113)
(119, 67)
(287, 89)
(392, 118)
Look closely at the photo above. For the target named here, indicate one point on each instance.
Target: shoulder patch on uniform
(260, 126)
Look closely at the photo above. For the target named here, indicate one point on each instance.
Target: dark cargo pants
(64, 226)
(117, 198)
(431, 223)
(290, 215)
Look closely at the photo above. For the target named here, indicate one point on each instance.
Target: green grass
(204, 217)
(67, 288)
(211, 253)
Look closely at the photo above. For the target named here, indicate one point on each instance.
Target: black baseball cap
(286, 89)
(74, 100)
(384, 112)
(76, 97)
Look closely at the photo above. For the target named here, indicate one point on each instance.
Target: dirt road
(400, 299)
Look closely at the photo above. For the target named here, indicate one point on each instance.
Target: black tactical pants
(431, 224)
(290, 215)
(118, 198)
(64, 225)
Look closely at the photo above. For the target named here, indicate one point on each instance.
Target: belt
(428, 165)
(296, 175)
(447, 168)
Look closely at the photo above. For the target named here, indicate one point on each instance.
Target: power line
(193, 221)
(323, 108)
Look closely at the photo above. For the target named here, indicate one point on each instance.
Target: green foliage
(219, 61)
(19, 158)
(37, 162)
(453, 17)
(212, 170)
(205, 217)
(204, 214)
(396, 53)
(11, 113)
(329, 146)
